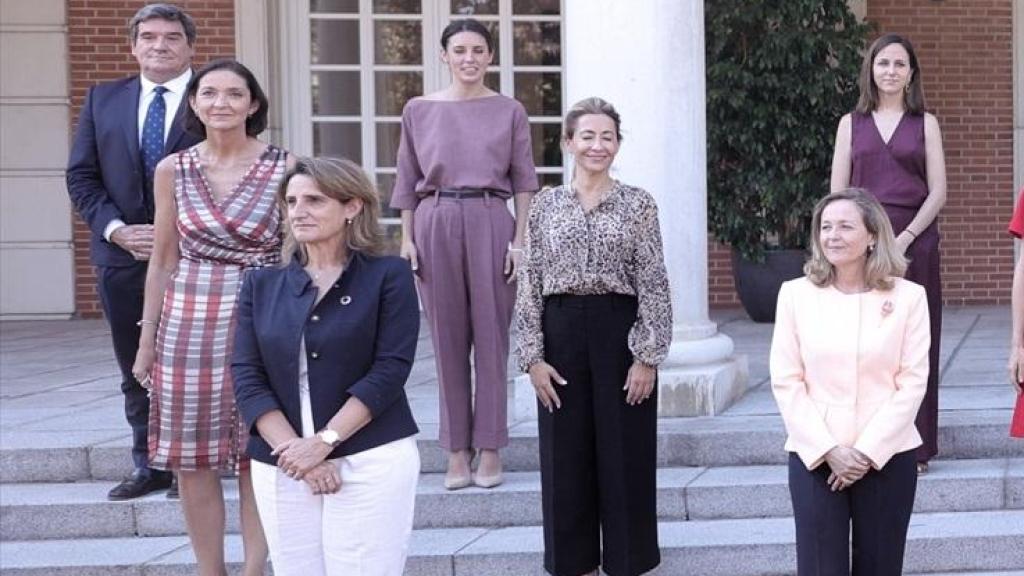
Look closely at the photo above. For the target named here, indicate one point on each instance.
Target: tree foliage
(780, 74)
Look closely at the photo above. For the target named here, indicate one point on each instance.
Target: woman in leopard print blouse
(593, 321)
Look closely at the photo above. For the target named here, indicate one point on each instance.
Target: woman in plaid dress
(216, 218)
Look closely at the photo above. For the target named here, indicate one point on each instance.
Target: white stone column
(647, 58)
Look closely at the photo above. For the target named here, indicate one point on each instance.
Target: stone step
(80, 510)
(960, 542)
(708, 441)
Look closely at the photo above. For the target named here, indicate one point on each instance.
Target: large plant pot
(757, 284)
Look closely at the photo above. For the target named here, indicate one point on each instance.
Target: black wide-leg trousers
(878, 506)
(597, 453)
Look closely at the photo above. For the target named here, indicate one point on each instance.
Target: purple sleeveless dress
(895, 174)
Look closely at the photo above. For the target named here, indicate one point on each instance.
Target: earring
(348, 221)
(871, 248)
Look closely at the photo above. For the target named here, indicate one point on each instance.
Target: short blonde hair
(342, 180)
(884, 262)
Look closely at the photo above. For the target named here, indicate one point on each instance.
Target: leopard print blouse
(615, 248)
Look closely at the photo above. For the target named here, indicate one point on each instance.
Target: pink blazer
(850, 369)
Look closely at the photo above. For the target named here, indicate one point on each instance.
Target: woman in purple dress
(890, 146)
(465, 150)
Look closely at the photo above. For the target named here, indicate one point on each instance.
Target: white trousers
(362, 530)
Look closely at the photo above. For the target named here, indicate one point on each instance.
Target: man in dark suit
(124, 129)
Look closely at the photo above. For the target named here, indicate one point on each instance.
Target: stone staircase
(722, 500)
(722, 494)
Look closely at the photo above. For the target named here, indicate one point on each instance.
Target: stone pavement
(722, 487)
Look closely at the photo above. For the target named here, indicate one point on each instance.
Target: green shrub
(780, 74)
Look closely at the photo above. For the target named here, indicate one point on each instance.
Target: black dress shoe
(141, 482)
(172, 492)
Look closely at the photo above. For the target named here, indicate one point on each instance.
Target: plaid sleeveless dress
(193, 422)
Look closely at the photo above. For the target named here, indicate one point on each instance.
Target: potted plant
(780, 74)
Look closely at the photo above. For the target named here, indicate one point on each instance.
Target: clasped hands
(639, 383)
(848, 466)
(304, 459)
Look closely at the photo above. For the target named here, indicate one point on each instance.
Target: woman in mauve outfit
(464, 152)
(892, 148)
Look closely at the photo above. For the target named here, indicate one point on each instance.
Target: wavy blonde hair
(342, 180)
(883, 263)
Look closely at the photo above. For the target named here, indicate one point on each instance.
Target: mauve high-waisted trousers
(461, 245)
(597, 453)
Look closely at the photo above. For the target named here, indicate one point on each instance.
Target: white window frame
(297, 116)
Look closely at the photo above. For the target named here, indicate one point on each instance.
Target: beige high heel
(488, 481)
(459, 481)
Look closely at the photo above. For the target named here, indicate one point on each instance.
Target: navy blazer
(105, 175)
(360, 341)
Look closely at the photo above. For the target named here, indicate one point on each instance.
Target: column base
(703, 389)
(692, 390)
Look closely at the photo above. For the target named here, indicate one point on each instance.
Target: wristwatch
(329, 437)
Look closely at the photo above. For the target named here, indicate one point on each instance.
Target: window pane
(385, 184)
(471, 7)
(336, 6)
(546, 146)
(493, 81)
(392, 239)
(398, 42)
(338, 139)
(492, 27)
(335, 93)
(394, 89)
(550, 179)
(388, 136)
(537, 43)
(540, 92)
(334, 41)
(549, 7)
(396, 7)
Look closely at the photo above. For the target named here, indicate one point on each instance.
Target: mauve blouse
(451, 144)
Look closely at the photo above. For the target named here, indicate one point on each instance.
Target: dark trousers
(597, 453)
(878, 506)
(121, 291)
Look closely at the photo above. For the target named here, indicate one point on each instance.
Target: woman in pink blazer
(849, 368)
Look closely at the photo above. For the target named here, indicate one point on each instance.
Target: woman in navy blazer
(323, 348)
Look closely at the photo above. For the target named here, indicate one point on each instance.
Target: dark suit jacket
(105, 175)
(360, 341)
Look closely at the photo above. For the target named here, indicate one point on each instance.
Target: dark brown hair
(168, 12)
(255, 124)
(913, 96)
(466, 25)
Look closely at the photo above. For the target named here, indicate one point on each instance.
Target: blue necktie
(152, 145)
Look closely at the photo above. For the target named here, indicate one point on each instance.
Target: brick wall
(99, 51)
(966, 50)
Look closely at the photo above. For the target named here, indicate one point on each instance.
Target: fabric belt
(466, 193)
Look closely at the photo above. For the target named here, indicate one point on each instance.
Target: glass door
(367, 58)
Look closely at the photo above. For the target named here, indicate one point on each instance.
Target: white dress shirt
(172, 99)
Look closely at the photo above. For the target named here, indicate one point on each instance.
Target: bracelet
(143, 322)
(911, 232)
(511, 249)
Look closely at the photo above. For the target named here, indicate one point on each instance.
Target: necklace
(317, 274)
